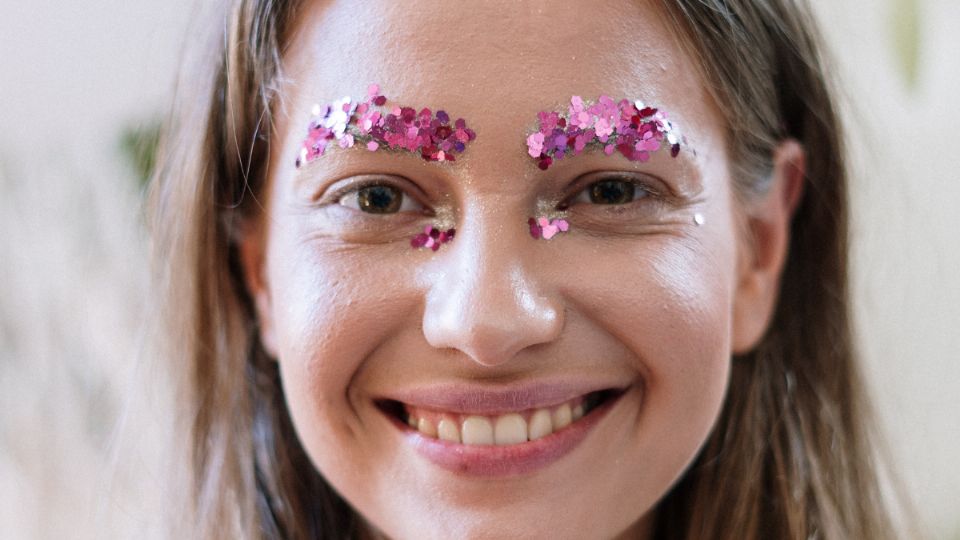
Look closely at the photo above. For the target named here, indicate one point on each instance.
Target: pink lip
(490, 460)
(484, 400)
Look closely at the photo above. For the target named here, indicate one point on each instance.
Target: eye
(379, 199)
(611, 191)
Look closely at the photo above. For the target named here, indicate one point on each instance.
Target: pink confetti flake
(432, 238)
(372, 125)
(546, 228)
(630, 128)
(535, 144)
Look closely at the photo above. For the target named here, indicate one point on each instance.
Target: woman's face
(637, 298)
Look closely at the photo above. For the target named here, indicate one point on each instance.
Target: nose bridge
(488, 300)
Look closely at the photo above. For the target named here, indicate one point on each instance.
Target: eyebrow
(374, 125)
(630, 128)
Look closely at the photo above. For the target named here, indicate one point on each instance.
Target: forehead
(496, 64)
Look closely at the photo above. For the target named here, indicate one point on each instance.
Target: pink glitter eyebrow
(372, 124)
(629, 127)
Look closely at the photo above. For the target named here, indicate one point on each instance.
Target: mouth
(506, 429)
(495, 441)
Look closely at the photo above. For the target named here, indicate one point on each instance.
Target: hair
(791, 454)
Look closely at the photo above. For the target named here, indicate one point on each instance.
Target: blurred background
(84, 84)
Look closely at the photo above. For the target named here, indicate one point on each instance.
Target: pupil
(379, 199)
(612, 192)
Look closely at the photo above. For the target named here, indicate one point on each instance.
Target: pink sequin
(395, 128)
(627, 127)
(432, 238)
(546, 228)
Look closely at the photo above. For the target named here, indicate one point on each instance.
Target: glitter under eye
(373, 125)
(630, 128)
(432, 238)
(546, 228)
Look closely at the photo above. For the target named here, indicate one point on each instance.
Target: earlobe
(252, 250)
(764, 246)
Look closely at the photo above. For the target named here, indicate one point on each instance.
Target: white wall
(73, 258)
(73, 264)
(906, 244)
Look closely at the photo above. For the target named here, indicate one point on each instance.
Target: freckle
(698, 219)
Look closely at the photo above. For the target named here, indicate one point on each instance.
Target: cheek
(671, 308)
(332, 307)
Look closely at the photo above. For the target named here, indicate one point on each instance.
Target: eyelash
(644, 192)
(353, 190)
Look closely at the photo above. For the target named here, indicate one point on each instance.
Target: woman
(640, 333)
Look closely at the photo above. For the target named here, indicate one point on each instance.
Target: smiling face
(608, 344)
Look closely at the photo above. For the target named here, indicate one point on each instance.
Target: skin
(637, 294)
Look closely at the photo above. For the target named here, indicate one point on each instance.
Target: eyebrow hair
(630, 128)
(374, 125)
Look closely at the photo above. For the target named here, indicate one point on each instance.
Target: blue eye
(379, 199)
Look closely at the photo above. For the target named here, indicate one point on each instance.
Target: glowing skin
(634, 296)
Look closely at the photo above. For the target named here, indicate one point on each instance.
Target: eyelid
(650, 185)
(356, 183)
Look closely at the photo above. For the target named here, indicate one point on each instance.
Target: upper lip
(487, 399)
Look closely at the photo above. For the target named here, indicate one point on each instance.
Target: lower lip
(491, 460)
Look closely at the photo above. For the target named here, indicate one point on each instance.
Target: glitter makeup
(628, 127)
(432, 238)
(545, 228)
(375, 126)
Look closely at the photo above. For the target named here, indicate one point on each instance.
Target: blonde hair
(790, 456)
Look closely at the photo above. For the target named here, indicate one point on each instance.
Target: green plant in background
(905, 26)
(138, 144)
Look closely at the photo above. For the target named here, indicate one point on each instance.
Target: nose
(486, 298)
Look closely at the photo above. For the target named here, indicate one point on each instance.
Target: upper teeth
(502, 430)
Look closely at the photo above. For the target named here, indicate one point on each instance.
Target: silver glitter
(698, 219)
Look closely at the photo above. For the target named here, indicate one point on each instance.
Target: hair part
(790, 456)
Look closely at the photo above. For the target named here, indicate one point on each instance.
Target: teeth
(503, 430)
(448, 431)
(477, 430)
(577, 412)
(510, 429)
(540, 424)
(427, 428)
(562, 417)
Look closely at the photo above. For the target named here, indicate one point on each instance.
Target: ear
(762, 250)
(252, 250)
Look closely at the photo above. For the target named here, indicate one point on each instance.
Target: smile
(514, 427)
(497, 440)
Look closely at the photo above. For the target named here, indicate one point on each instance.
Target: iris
(379, 199)
(612, 192)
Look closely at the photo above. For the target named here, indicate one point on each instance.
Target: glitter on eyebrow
(370, 124)
(631, 128)
(432, 238)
